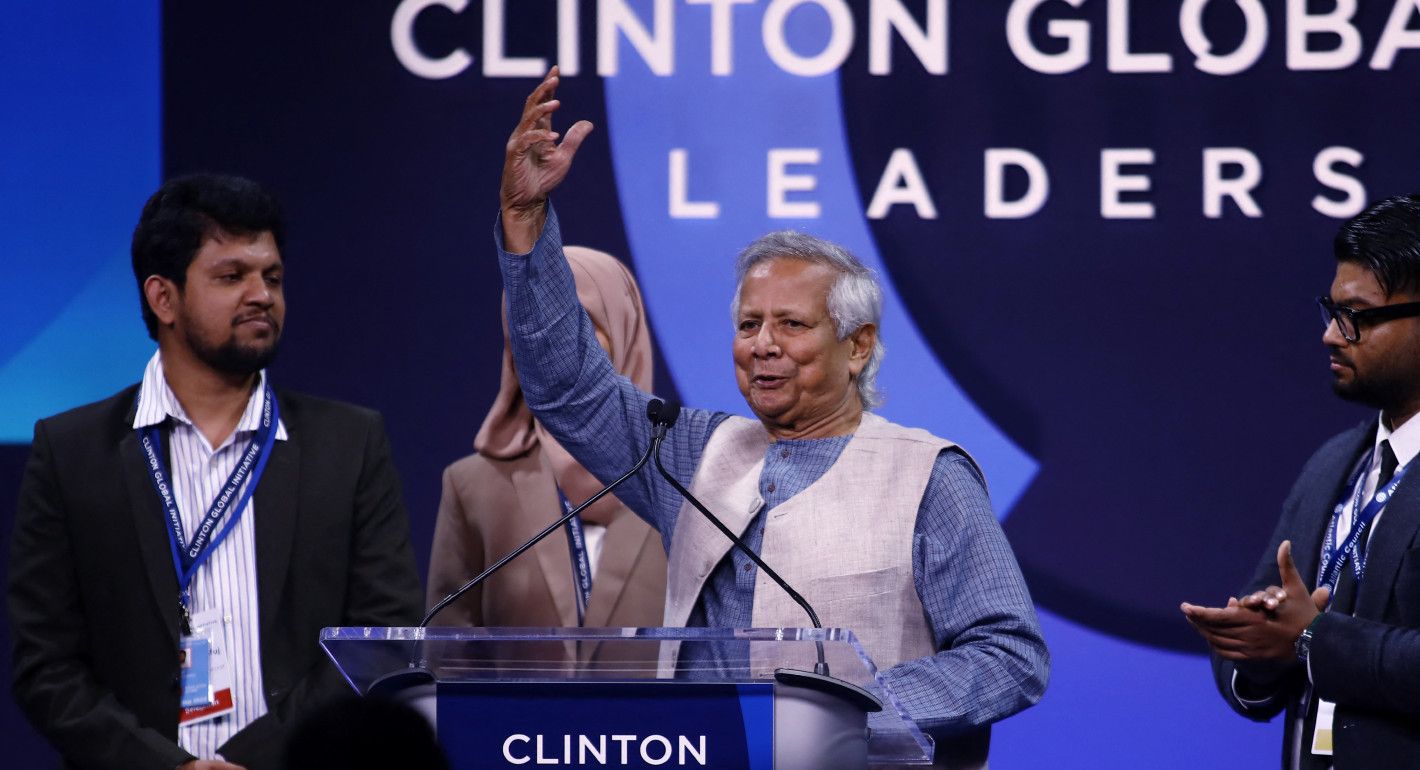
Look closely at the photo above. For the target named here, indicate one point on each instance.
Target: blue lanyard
(581, 560)
(188, 558)
(1334, 556)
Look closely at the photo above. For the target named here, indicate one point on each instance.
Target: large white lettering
(681, 207)
(1301, 26)
(495, 62)
(781, 183)
(1316, 38)
(508, 749)
(722, 33)
(902, 182)
(1324, 169)
(1121, 59)
(1397, 34)
(1239, 188)
(657, 48)
(1113, 182)
(408, 53)
(928, 44)
(835, 51)
(1037, 184)
(1075, 32)
(1190, 23)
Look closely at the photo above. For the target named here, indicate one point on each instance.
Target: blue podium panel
(644, 724)
(586, 697)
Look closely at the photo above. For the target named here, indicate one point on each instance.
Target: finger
(1222, 642)
(1273, 597)
(575, 135)
(538, 116)
(547, 86)
(1213, 633)
(1232, 617)
(1254, 600)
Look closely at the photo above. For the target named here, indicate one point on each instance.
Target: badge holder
(206, 680)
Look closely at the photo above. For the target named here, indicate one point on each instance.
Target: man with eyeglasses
(1343, 660)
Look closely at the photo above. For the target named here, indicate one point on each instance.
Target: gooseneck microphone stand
(668, 413)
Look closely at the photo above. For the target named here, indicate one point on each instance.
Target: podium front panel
(473, 666)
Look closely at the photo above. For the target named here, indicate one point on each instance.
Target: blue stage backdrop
(1101, 223)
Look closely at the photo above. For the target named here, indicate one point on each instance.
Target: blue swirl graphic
(76, 170)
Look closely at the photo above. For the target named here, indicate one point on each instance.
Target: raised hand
(534, 165)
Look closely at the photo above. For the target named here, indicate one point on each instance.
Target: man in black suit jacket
(93, 589)
(1343, 660)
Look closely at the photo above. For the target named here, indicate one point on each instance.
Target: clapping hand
(1262, 626)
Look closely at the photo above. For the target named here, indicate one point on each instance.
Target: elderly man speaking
(887, 530)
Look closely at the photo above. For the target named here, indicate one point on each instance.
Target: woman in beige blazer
(496, 499)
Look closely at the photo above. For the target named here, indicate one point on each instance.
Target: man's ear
(162, 296)
(863, 340)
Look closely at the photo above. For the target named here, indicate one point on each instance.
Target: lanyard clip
(184, 616)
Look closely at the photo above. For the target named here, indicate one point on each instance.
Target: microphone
(667, 413)
(662, 416)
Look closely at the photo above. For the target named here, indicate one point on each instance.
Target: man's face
(1383, 369)
(790, 365)
(231, 309)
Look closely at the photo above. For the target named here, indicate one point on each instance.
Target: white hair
(856, 298)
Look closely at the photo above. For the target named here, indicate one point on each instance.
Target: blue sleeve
(569, 384)
(991, 660)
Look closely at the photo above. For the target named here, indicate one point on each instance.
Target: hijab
(613, 302)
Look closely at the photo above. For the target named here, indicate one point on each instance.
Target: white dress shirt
(227, 581)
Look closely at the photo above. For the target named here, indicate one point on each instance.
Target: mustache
(259, 315)
(1337, 357)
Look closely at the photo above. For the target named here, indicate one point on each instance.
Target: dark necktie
(1345, 602)
(1389, 463)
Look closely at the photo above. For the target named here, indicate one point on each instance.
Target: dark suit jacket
(1367, 663)
(93, 597)
(490, 507)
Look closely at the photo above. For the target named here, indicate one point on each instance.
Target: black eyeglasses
(1349, 320)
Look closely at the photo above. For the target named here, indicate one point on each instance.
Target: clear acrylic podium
(542, 695)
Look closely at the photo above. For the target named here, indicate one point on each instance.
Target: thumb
(1291, 579)
(575, 135)
(1320, 597)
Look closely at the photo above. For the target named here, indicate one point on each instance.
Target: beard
(1382, 390)
(233, 357)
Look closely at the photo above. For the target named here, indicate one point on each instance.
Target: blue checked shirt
(991, 662)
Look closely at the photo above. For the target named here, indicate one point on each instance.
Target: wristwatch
(1303, 645)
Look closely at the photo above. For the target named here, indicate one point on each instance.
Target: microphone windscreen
(662, 412)
(670, 411)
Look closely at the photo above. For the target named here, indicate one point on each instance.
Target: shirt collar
(157, 402)
(1404, 441)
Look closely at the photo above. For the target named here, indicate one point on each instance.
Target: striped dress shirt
(226, 583)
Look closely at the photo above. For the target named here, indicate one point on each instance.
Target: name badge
(196, 664)
(206, 679)
(1321, 739)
